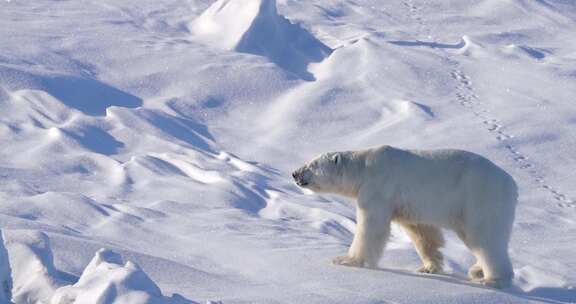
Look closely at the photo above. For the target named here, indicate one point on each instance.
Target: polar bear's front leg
(372, 231)
(427, 240)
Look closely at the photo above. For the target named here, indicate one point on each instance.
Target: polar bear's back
(442, 181)
(453, 162)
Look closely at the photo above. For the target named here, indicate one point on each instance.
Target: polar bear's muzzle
(299, 177)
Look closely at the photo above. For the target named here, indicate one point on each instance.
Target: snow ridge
(255, 27)
(106, 279)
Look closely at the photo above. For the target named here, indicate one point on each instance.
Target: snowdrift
(255, 27)
(28, 275)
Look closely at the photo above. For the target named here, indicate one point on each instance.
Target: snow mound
(471, 47)
(397, 112)
(108, 280)
(523, 51)
(255, 27)
(28, 275)
(84, 94)
(34, 277)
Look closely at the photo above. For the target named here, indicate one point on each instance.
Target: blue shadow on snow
(89, 96)
(553, 295)
(96, 140)
(434, 45)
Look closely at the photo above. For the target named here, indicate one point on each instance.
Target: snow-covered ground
(165, 132)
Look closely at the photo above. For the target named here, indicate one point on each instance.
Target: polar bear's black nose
(298, 176)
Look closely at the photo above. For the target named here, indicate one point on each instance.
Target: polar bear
(423, 191)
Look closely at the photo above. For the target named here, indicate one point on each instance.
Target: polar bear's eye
(336, 159)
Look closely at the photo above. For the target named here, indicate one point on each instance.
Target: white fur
(422, 191)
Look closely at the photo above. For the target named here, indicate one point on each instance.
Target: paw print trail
(466, 96)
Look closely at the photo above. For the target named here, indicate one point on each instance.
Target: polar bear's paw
(475, 272)
(430, 268)
(496, 283)
(348, 261)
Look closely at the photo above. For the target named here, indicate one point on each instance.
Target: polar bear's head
(325, 174)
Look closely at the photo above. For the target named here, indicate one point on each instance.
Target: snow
(34, 278)
(5, 278)
(106, 280)
(166, 131)
(255, 27)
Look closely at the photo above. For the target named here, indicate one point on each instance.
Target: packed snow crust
(146, 146)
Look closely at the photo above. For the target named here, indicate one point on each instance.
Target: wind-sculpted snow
(107, 279)
(87, 95)
(34, 278)
(255, 27)
(166, 132)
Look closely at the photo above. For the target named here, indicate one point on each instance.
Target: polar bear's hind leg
(493, 267)
(475, 273)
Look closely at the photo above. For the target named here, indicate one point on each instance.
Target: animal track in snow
(466, 97)
(416, 15)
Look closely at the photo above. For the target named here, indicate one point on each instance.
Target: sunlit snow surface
(165, 132)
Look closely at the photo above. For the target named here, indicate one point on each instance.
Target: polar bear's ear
(336, 159)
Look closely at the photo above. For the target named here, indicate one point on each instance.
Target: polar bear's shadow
(554, 295)
(446, 277)
(549, 294)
